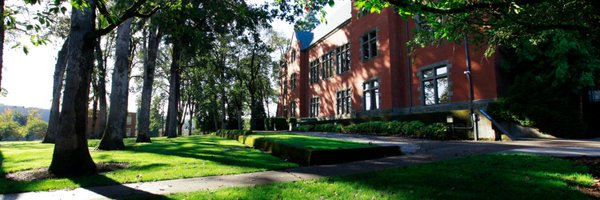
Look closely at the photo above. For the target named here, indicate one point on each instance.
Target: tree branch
(419, 7)
(129, 13)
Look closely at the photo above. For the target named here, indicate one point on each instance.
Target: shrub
(436, 131)
(293, 122)
(352, 128)
(395, 127)
(278, 123)
(306, 128)
(328, 128)
(413, 128)
(35, 129)
(10, 131)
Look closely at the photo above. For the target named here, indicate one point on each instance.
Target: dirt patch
(593, 164)
(43, 173)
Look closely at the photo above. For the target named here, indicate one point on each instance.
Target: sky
(29, 78)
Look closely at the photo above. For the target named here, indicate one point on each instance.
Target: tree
(308, 22)
(71, 156)
(150, 56)
(36, 127)
(59, 72)
(115, 131)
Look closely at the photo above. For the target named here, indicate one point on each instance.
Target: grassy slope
(163, 159)
(309, 142)
(478, 177)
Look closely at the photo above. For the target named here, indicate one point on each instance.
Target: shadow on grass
(210, 149)
(2, 173)
(475, 177)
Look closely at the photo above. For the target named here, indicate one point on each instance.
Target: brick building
(358, 65)
(130, 125)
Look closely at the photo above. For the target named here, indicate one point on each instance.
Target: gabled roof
(342, 13)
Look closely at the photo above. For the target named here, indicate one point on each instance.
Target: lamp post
(471, 95)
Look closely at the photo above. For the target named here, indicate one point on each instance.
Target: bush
(277, 123)
(395, 127)
(35, 129)
(436, 131)
(293, 122)
(306, 128)
(328, 128)
(408, 129)
(10, 131)
(413, 128)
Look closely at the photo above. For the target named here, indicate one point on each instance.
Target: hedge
(232, 134)
(402, 128)
(305, 156)
(277, 123)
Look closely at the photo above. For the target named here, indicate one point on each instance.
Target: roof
(342, 13)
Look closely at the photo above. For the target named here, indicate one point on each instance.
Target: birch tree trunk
(117, 116)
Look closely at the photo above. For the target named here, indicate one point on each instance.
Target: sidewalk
(423, 151)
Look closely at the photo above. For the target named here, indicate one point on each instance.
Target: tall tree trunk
(101, 87)
(71, 156)
(192, 110)
(149, 69)
(174, 89)
(239, 117)
(2, 29)
(59, 72)
(117, 116)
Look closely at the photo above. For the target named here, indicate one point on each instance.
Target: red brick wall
(390, 66)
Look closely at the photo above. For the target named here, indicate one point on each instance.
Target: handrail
(495, 123)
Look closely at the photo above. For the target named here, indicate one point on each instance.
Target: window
(314, 71)
(594, 96)
(435, 85)
(371, 94)
(293, 56)
(327, 65)
(369, 45)
(293, 81)
(343, 58)
(314, 107)
(293, 109)
(344, 102)
(128, 120)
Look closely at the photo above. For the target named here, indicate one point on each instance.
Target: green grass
(477, 177)
(309, 142)
(163, 159)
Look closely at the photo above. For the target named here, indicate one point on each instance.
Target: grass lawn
(309, 142)
(163, 159)
(476, 177)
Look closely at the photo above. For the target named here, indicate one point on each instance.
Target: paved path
(421, 151)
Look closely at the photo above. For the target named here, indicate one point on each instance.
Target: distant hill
(25, 110)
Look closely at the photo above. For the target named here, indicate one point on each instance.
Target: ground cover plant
(475, 177)
(184, 157)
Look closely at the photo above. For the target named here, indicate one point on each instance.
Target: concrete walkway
(423, 151)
